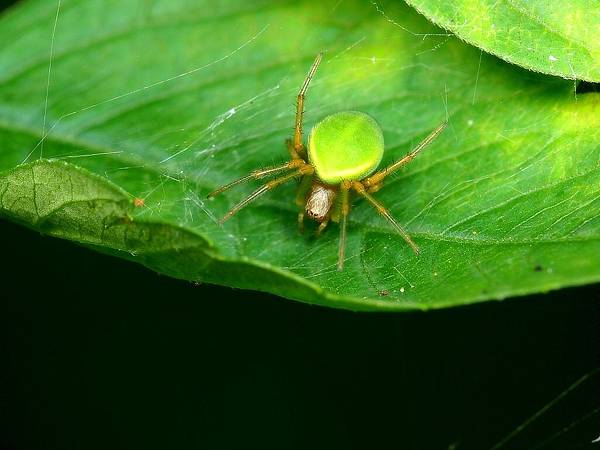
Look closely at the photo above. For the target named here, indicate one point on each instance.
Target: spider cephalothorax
(319, 201)
(344, 151)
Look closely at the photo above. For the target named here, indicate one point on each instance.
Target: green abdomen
(345, 146)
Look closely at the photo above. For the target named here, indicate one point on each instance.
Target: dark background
(100, 353)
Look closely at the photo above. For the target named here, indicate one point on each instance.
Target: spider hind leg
(358, 187)
(258, 174)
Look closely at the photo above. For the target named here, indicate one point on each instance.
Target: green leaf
(558, 37)
(164, 101)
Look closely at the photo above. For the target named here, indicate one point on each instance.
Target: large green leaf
(559, 37)
(163, 101)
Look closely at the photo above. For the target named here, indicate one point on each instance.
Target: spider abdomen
(345, 146)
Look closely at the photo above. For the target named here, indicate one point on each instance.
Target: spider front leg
(305, 169)
(297, 149)
(374, 188)
(296, 153)
(258, 174)
(375, 180)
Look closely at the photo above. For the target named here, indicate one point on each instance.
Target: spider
(343, 151)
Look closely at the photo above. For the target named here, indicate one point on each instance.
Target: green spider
(344, 149)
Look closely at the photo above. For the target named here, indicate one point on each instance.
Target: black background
(101, 353)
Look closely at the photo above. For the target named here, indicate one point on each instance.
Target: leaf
(164, 101)
(558, 37)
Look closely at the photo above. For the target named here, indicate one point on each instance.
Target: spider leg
(259, 173)
(374, 188)
(323, 225)
(378, 177)
(303, 170)
(344, 211)
(303, 188)
(301, 221)
(360, 189)
(298, 147)
(295, 154)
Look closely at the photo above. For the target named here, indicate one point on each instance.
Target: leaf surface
(558, 37)
(151, 105)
